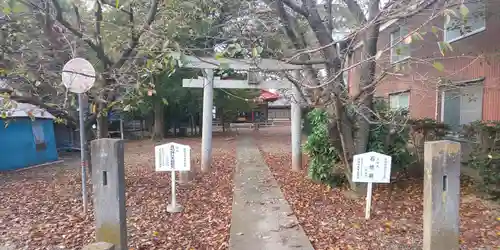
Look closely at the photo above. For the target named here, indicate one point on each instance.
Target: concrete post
(441, 195)
(108, 180)
(99, 246)
(206, 136)
(296, 129)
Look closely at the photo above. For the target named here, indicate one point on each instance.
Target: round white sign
(78, 75)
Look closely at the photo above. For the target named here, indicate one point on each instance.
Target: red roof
(268, 96)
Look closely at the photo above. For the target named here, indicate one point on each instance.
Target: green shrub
(390, 136)
(486, 155)
(323, 155)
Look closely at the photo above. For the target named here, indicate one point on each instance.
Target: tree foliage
(324, 157)
(486, 155)
(391, 136)
(130, 43)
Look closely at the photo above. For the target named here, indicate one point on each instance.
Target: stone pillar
(99, 246)
(206, 135)
(108, 180)
(296, 129)
(441, 195)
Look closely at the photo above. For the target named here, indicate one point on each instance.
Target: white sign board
(78, 75)
(371, 167)
(172, 157)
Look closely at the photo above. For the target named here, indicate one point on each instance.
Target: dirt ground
(41, 208)
(334, 221)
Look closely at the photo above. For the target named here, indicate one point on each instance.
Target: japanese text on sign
(172, 157)
(371, 167)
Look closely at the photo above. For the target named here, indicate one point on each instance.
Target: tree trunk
(102, 127)
(366, 79)
(88, 134)
(159, 121)
(142, 128)
(351, 142)
(148, 123)
(102, 122)
(191, 124)
(102, 111)
(368, 70)
(337, 110)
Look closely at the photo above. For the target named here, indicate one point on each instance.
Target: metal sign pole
(368, 207)
(168, 158)
(79, 76)
(83, 155)
(367, 168)
(173, 207)
(174, 198)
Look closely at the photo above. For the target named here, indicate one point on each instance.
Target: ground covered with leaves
(41, 208)
(334, 220)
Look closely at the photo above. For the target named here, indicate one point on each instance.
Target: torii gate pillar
(206, 134)
(296, 128)
(208, 84)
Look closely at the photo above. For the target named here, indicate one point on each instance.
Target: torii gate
(208, 83)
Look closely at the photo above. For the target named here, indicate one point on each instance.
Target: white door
(471, 104)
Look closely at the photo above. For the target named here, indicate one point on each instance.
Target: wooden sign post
(173, 157)
(371, 168)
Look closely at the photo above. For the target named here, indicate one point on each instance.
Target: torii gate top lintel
(208, 64)
(261, 64)
(208, 83)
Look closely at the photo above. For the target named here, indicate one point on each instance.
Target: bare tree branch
(329, 11)
(97, 24)
(308, 62)
(418, 8)
(136, 35)
(98, 49)
(295, 7)
(356, 11)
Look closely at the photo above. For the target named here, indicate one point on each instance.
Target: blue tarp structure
(26, 141)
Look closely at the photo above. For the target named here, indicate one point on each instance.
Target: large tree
(33, 50)
(108, 31)
(304, 29)
(297, 31)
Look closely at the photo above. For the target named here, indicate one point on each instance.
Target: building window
(460, 27)
(462, 105)
(399, 49)
(399, 101)
(38, 135)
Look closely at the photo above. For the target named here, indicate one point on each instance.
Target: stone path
(261, 217)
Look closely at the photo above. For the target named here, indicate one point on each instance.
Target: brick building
(465, 89)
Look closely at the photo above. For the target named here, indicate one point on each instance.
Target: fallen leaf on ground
(330, 219)
(42, 208)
